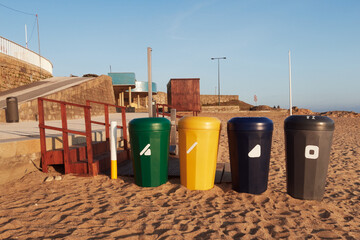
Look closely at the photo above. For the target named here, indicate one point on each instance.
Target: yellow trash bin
(198, 149)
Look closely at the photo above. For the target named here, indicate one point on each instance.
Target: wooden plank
(219, 172)
(54, 157)
(227, 174)
(78, 168)
(174, 167)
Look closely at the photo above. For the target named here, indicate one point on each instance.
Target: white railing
(17, 51)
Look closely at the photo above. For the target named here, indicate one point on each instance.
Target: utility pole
(26, 41)
(37, 22)
(290, 98)
(218, 60)
(149, 82)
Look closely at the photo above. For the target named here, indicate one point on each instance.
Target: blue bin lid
(250, 124)
(309, 122)
(149, 124)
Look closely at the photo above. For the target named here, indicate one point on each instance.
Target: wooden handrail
(65, 131)
(107, 124)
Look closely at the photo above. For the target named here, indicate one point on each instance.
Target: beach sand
(101, 208)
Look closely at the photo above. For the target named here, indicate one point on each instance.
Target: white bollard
(113, 147)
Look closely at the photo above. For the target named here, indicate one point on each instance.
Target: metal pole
(290, 99)
(219, 81)
(113, 149)
(218, 59)
(149, 82)
(37, 22)
(26, 41)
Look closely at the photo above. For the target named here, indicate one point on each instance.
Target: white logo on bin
(255, 152)
(146, 151)
(191, 148)
(311, 152)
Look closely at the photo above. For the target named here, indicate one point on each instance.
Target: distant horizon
(254, 36)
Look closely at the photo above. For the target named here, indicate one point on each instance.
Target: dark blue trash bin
(249, 148)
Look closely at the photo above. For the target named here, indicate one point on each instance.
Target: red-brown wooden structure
(184, 94)
(90, 159)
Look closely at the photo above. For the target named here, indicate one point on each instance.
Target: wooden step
(78, 163)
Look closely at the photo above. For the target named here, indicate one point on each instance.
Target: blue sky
(81, 37)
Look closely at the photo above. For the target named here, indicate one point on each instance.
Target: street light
(218, 58)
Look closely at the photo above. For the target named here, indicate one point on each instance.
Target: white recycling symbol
(146, 151)
(191, 148)
(255, 152)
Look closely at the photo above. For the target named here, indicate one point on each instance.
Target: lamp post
(218, 59)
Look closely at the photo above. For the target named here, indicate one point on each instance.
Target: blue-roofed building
(123, 79)
(128, 91)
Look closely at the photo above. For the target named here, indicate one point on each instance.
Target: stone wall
(15, 73)
(160, 98)
(211, 99)
(220, 109)
(98, 89)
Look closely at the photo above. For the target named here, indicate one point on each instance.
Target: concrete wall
(211, 99)
(15, 73)
(98, 89)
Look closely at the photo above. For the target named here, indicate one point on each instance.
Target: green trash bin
(149, 139)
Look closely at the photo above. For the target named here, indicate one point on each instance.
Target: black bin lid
(250, 124)
(309, 122)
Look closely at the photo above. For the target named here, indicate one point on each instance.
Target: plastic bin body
(250, 147)
(198, 149)
(12, 111)
(308, 143)
(149, 138)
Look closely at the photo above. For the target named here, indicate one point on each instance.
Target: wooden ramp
(222, 175)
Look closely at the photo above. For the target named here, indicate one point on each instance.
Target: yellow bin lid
(201, 123)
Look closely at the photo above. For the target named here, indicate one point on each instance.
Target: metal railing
(15, 50)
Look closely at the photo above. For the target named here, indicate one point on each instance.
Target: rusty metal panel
(184, 94)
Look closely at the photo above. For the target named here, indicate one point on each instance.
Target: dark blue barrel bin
(308, 142)
(249, 148)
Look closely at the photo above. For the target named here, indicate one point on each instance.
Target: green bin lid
(149, 124)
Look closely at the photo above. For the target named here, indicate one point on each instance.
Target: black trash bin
(308, 141)
(12, 112)
(249, 148)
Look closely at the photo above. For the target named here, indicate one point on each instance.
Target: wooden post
(123, 118)
(138, 100)
(42, 134)
(89, 141)
(130, 96)
(65, 139)
(173, 131)
(107, 125)
(123, 99)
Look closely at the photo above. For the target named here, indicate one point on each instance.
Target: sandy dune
(100, 208)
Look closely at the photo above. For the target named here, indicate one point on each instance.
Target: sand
(101, 208)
